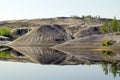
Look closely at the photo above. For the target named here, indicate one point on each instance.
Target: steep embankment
(43, 35)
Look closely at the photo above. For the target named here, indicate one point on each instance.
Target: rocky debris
(17, 32)
(45, 34)
(87, 31)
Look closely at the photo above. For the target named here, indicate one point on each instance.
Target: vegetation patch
(5, 55)
(110, 26)
(4, 31)
(107, 53)
(107, 42)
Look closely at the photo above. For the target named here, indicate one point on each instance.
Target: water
(28, 71)
(36, 63)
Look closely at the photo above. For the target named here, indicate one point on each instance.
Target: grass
(5, 55)
(4, 31)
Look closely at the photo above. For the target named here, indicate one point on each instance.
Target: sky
(30, 9)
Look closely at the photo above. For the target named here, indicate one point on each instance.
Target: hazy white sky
(28, 9)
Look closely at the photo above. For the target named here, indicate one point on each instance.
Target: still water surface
(29, 71)
(35, 63)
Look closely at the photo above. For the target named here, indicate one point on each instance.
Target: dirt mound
(87, 31)
(43, 35)
(92, 41)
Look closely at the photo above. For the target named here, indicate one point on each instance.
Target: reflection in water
(42, 55)
(8, 54)
(5, 54)
(113, 68)
(93, 56)
(107, 59)
(107, 53)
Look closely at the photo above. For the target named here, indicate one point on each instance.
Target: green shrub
(107, 42)
(4, 31)
(5, 55)
(107, 53)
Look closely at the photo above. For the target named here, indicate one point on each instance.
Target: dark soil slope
(43, 35)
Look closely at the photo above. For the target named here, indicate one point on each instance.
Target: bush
(107, 53)
(107, 42)
(4, 31)
(5, 55)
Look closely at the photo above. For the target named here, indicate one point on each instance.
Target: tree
(114, 25)
(112, 67)
(118, 29)
(105, 27)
